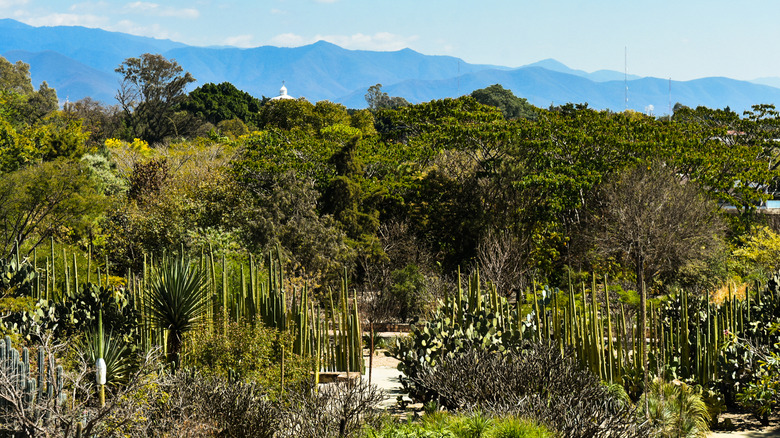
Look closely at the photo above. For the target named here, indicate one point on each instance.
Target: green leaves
(177, 300)
(41, 200)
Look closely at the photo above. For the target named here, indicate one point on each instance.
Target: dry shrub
(535, 382)
(332, 410)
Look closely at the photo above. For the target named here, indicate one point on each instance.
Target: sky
(678, 39)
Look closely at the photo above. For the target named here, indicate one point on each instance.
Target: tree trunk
(174, 346)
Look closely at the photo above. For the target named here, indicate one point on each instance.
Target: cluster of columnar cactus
(35, 388)
(686, 336)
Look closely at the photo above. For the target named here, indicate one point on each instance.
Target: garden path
(385, 375)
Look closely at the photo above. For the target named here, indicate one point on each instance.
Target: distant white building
(282, 94)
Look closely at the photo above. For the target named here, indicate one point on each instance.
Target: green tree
(100, 121)
(326, 113)
(15, 77)
(287, 114)
(351, 198)
(278, 179)
(19, 101)
(378, 99)
(451, 153)
(232, 128)
(408, 293)
(216, 103)
(56, 136)
(55, 198)
(41, 103)
(152, 87)
(511, 106)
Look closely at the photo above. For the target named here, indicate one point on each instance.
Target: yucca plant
(176, 301)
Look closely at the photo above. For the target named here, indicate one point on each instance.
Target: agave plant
(176, 301)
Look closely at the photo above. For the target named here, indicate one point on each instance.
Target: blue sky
(681, 39)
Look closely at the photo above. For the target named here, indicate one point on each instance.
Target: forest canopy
(483, 181)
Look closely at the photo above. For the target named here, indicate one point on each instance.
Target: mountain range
(80, 62)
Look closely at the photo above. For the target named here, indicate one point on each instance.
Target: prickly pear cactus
(17, 278)
(456, 328)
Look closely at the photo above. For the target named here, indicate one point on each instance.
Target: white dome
(282, 94)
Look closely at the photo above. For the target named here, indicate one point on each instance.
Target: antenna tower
(625, 74)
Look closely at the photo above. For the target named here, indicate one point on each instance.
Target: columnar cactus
(30, 387)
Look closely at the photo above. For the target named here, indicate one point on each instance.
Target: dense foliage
(378, 210)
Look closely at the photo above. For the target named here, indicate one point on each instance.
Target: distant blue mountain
(544, 88)
(96, 48)
(80, 62)
(72, 79)
(772, 82)
(318, 71)
(596, 76)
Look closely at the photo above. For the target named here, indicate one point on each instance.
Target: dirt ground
(384, 374)
(746, 425)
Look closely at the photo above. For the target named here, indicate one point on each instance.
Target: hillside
(80, 62)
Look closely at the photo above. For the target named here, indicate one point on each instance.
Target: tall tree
(15, 77)
(100, 121)
(19, 101)
(378, 99)
(152, 87)
(53, 198)
(511, 106)
(219, 102)
(657, 222)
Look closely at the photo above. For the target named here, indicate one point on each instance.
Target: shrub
(513, 427)
(340, 409)
(537, 382)
(475, 424)
(215, 406)
(249, 352)
(675, 409)
(442, 338)
(762, 395)
(409, 293)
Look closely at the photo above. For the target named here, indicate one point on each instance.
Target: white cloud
(381, 41)
(86, 20)
(244, 41)
(155, 9)
(326, 1)
(276, 11)
(89, 6)
(11, 3)
(152, 31)
(290, 40)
